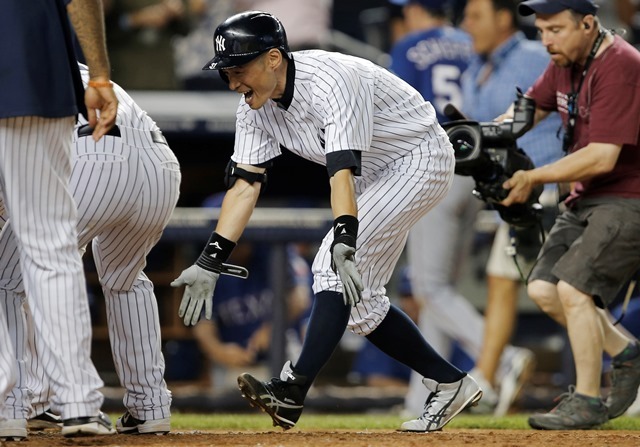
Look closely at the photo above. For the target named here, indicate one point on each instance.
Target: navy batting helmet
(245, 36)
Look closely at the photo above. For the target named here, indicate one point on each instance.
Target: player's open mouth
(248, 95)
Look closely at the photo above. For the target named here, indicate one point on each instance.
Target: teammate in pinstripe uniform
(126, 186)
(388, 161)
(40, 96)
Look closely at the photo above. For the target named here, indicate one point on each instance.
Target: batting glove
(198, 292)
(345, 265)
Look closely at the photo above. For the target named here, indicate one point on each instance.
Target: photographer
(593, 248)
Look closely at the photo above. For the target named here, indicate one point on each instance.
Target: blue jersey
(38, 71)
(432, 62)
(241, 306)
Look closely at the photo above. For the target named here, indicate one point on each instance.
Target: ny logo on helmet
(219, 43)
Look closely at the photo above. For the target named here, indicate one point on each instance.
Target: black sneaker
(281, 398)
(574, 411)
(127, 424)
(625, 379)
(88, 426)
(44, 420)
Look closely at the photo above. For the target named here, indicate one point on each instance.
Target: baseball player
(388, 163)
(126, 186)
(40, 96)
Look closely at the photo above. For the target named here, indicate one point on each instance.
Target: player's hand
(345, 265)
(520, 186)
(199, 285)
(101, 99)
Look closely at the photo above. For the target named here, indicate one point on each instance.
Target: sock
(630, 352)
(399, 337)
(328, 320)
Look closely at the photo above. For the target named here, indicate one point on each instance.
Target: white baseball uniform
(342, 103)
(53, 272)
(126, 188)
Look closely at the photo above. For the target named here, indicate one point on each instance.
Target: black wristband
(345, 231)
(215, 253)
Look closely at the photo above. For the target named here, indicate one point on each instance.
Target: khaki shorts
(595, 247)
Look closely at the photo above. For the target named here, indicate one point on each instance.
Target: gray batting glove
(345, 265)
(197, 293)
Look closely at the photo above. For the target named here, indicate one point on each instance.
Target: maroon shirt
(608, 112)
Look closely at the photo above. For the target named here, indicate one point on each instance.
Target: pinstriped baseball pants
(34, 177)
(125, 196)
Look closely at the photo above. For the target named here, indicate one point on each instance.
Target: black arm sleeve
(339, 160)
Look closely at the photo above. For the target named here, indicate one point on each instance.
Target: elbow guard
(233, 172)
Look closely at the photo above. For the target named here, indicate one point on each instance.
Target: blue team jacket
(38, 71)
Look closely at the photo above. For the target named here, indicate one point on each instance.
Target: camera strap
(572, 100)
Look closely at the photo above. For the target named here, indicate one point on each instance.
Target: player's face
(564, 37)
(483, 23)
(256, 80)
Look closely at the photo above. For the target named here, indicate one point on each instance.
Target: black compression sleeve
(339, 160)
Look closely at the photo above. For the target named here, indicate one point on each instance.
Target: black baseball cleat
(127, 424)
(87, 426)
(44, 420)
(282, 399)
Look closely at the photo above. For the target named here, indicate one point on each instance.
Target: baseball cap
(436, 5)
(529, 7)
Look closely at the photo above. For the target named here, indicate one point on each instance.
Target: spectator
(139, 38)
(191, 49)
(308, 22)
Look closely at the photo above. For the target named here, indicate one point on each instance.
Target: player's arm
(343, 194)
(87, 18)
(244, 182)
(238, 205)
(590, 161)
(345, 231)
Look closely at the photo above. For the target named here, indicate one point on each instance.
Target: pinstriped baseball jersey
(331, 111)
(343, 103)
(126, 188)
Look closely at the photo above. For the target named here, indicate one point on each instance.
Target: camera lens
(463, 142)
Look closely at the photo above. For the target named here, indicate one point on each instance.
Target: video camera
(488, 152)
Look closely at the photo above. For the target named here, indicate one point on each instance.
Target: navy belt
(87, 131)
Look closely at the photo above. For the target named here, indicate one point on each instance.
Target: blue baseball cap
(436, 5)
(529, 7)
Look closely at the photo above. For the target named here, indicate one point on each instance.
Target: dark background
(203, 159)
